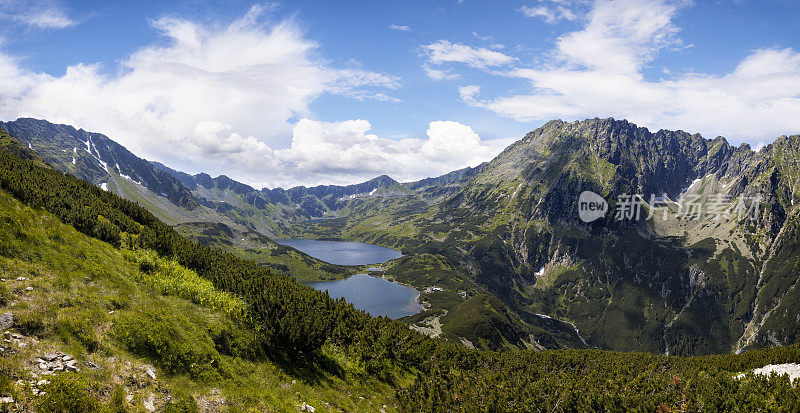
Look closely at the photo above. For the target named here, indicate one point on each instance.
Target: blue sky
(309, 92)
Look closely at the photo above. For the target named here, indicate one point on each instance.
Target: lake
(343, 252)
(374, 295)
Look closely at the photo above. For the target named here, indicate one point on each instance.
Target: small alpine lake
(375, 295)
(343, 252)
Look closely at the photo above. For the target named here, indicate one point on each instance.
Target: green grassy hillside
(122, 312)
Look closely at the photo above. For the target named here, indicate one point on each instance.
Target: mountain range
(503, 240)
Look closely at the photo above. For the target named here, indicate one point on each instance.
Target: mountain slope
(676, 285)
(96, 158)
(509, 229)
(143, 330)
(221, 336)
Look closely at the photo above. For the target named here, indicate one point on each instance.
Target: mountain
(105, 308)
(96, 158)
(675, 286)
(99, 160)
(511, 259)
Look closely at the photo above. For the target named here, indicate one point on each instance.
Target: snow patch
(790, 369)
(104, 186)
(373, 191)
(73, 160)
(540, 272)
(30, 146)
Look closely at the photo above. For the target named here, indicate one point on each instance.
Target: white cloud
(238, 81)
(445, 52)
(469, 92)
(42, 14)
(342, 153)
(551, 11)
(400, 28)
(352, 83)
(599, 71)
(484, 38)
(439, 74)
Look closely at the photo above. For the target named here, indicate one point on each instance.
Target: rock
(57, 366)
(92, 365)
(43, 366)
(28, 288)
(307, 408)
(150, 371)
(50, 356)
(67, 357)
(6, 321)
(22, 279)
(6, 400)
(150, 403)
(41, 383)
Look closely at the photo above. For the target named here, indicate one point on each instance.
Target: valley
(497, 254)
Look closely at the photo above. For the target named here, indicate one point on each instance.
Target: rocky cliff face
(677, 286)
(97, 159)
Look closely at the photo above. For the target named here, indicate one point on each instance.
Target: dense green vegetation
(118, 310)
(259, 317)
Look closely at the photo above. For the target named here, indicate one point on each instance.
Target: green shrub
(71, 326)
(5, 295)
(176, 346)
(117, 402)
(69, 393)
(30, 322)
(170, 278)
(181, 403)
(7, 375)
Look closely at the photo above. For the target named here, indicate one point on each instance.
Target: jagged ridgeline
(428, 375)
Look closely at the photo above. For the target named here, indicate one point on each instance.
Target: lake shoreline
(370, 289)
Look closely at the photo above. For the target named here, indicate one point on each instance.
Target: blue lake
(343, 252)
(374, 295)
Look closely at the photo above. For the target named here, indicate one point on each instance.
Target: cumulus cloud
(42, 14)
(342, 153)
(599, 71)
(208, 92)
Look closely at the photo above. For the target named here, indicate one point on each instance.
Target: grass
(122, 310)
